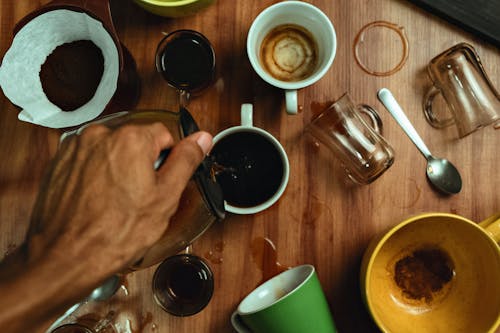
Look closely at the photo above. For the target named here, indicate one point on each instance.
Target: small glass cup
(364, 153)
(186, 59)
(183, 284)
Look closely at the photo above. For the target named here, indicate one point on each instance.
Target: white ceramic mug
(247, 126)
(300, 14)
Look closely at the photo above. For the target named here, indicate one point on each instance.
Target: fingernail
(205, 142)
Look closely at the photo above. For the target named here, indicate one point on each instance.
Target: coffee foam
(289, 53)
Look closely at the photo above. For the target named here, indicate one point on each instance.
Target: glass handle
(376, 122)
(429, 114)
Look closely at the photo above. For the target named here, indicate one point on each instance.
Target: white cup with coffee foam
(291, 45)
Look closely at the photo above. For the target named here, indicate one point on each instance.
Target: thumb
(182, 162)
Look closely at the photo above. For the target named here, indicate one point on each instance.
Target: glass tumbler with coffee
(186, 59)
(183, 284)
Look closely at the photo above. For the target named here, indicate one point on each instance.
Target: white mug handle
(291, 101)
(238, 324)
(247, 115)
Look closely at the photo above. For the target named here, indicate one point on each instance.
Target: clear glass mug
(201, 203)
(364, 153)
(459, 76)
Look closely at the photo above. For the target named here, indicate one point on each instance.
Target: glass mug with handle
(364, 153)
(459, 76)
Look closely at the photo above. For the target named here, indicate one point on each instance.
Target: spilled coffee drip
(71, 74)
(289, 53)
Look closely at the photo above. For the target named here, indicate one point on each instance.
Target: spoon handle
(395, 110)
(63, 317)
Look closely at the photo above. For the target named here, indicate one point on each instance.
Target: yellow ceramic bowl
(434, 272)
(173, 8)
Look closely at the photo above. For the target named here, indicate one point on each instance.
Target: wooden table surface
(321, 218)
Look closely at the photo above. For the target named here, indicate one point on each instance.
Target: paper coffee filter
(21, 65)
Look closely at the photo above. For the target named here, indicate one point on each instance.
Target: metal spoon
(440, 172)
(101, 293)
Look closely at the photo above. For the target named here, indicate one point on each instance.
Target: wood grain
(321, 219)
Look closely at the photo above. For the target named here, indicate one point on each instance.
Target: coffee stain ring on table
(360, 39)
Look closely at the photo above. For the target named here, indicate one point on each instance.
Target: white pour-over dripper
(33, 43)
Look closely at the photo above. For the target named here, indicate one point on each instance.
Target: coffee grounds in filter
(71, 74)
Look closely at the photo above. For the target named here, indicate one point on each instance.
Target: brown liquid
(252, 168)
(71, 74)
(188, 62)
(183, 284)
(215, 255)
(265, 256)
(423, 273)
(289, 53)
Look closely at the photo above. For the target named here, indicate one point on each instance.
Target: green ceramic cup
(291, 302)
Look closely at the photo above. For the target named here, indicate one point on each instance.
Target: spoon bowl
(443, 175)
(106, 290)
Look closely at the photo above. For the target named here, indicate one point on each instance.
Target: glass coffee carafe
(201, 203)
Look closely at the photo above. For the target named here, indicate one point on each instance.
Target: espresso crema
(289, 53)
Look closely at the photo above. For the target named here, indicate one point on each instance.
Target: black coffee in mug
(248, 168)
(186, 60)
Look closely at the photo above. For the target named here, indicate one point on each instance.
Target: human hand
(102, 205)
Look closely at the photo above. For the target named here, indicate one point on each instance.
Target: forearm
(32, 293)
